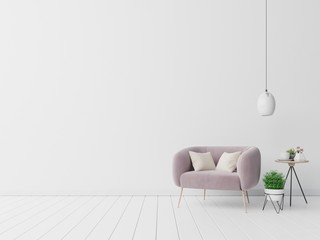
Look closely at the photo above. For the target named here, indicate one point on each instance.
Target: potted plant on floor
(274, 182)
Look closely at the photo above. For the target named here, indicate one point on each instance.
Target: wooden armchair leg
(247, 197)
(180, 197)
(244, 201)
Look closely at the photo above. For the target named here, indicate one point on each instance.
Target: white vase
(284, 156)
(299, 157)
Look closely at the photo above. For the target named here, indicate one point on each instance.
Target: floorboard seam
(77, 224)
(175, 218)
(193, 217)
(239, 229)
(14, 208)
(125, 209)
(26, 210)
(100, 219)
(8, 229)
(135, 229)
(217, 225)
(45, 219)
(62, 220)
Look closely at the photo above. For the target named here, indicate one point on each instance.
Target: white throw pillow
(202, 161)
(228, 161)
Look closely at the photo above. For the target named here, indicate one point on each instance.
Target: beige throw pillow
(228, 161)
(202, 161)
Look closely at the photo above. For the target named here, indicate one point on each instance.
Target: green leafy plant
(291, 151)
(274, 180)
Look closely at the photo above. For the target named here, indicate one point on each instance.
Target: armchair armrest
(181, 164)
(249, 168)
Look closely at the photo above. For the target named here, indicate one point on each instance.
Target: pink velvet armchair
(245, 177)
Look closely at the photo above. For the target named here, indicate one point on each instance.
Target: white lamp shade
(266, 104)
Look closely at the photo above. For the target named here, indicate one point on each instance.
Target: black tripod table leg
(299, 184)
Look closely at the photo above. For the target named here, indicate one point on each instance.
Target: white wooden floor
(155, 217)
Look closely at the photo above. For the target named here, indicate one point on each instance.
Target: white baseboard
(156, 192)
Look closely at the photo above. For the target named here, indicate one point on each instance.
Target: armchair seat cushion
(212, 179)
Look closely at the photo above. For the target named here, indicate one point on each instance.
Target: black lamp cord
(266, 45)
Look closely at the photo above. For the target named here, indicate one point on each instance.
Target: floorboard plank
(206, 224)
(185, 221)
(4, 200)
(108, 223)
(84, 227)
(20, 208)
(167, 228)
(12, 202)
(43, 226)
(38, 215)
(229, 227)
(146, 227)
(26, 215)
(59, 230)
(127, 225)
(155, 217)
(293, 221)
(233, 207)
(305, 217)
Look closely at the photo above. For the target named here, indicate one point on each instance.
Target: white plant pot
(275, 194)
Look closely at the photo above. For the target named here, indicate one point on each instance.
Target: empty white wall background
(97, 96)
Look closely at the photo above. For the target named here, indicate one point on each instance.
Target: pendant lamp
(266, 103)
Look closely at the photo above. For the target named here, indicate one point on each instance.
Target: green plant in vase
(292, 153)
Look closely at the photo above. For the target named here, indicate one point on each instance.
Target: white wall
(96, 96)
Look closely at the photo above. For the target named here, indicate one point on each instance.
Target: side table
(291, 164)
